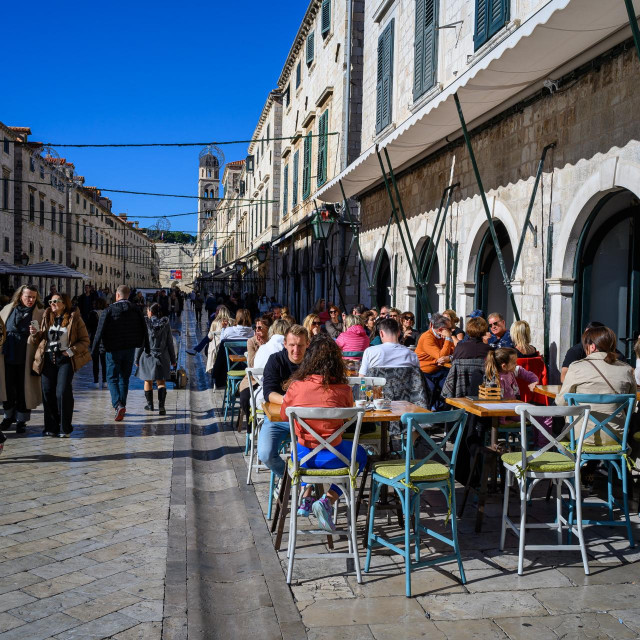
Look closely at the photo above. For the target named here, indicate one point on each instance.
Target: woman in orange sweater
(321, 381)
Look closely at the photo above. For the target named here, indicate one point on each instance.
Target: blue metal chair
(614, 454)
(409, 478)
(235, 373)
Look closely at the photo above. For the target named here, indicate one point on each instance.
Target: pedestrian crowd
(307, 364)
(43, 345)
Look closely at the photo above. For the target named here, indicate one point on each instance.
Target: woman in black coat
(157, 364)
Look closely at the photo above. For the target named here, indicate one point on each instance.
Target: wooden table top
(472, 406)
(272, 411)
(552, 390)
(237, 358)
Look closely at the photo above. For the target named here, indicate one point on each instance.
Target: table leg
(283, 511)
(467, 489)
(482, 494)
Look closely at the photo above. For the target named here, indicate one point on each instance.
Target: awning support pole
(394, 214)
(330, 256)
(438, 231)
(634, 24)
(355, 232)
(527, 220)
(492, 229)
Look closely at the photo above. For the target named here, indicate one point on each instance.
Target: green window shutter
(266, 208)
(322, 148)
(491, 16)
(384, 87)
(285, 190)
(418, 50)
(325, 17)
(298, 74)
(310, 47)
(306, 167)
(430, 40)
(294, 185)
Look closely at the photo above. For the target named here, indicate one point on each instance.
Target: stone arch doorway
(424, 256)
(491, 294)
(383, 282)
(607, 269)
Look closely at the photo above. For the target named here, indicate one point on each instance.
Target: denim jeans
(272, 435)
(202, 344)
(119, 366)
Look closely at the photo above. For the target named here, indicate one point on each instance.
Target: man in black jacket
(121, 330)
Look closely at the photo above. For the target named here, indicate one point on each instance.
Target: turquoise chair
(235, 373)
(409, 478)
(613, 454)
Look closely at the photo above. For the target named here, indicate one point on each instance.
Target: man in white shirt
(273, 345)
(389, 353)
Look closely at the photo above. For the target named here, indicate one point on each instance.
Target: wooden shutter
(430, 64)
(322, 148)
(387, 75)
(285, 189)
(266, 208)
(306, 167)
(325, 17)
(294, 184)
(491, 16)
(310, 47)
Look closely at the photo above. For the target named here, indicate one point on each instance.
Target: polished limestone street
(146, 529)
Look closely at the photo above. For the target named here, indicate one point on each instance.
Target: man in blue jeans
(278, 369)
(121, 330)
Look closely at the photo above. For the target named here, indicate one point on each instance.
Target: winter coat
(78, 340)
(334, 329)
(121, 326)
(33, 388)
(355, 338)
(156, 365)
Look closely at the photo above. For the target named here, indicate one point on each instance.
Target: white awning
(553, 36)
(48, 269)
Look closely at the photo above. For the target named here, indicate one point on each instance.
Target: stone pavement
(147, 530)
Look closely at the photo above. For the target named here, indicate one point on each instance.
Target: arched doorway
(432, 293)
(491, 294)
(383, 282)
(608, 269)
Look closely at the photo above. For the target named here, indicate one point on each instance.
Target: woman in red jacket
(321, 381)
(354, 337)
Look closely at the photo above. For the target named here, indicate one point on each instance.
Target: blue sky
(137, 71)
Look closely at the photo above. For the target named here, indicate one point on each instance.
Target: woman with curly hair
(321, 381)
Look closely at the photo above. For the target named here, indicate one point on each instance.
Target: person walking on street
(99, 358)
(85, 302)
(197, 305)
(62, 348)
(122, 329)
(19, 390)
(157, 364)
(173, 306)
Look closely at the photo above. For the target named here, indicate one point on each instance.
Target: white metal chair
(560, 465)
(344, 477)
(257, 418)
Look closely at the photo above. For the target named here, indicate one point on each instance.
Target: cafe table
(484, 409)
(237, 358)
(552, 390)
(383, 416)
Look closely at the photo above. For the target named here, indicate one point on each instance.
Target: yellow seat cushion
(548, 462)
(596, 448)
(341, 471)
(636, 436)
(509, 426)
(429, 472)
(374, 435)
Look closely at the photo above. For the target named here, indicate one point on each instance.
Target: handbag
(179, 378)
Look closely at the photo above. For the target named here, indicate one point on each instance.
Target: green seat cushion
(509, 426)
(236, 374)
(596, 448)
(636, 436)
(374, 435)
(341, 471)
(548, 462)
(430, 471)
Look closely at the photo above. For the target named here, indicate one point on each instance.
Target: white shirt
(387, 354)
(637, 372)
(275, 344)
(236, 333)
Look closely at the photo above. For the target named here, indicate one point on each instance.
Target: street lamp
(239, 267)
(262, 252)
(322, 220)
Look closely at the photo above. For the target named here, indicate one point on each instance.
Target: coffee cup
(380, 403)
(361, 403)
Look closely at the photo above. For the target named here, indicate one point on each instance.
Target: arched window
(206, 193)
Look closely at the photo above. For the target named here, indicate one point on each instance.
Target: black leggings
(99, 360)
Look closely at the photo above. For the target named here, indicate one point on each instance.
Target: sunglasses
(494, 324)
(317, 324)
(55, 301)
(334, 311)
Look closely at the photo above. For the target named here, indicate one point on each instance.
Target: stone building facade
(560, 72)
(47, 214)
(174, 256)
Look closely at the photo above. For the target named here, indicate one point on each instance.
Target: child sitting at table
(501, 365)
(321, 381)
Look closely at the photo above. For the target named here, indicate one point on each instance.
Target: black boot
(162, 394)
(6, 424)
(21, 427)
(149, 396)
